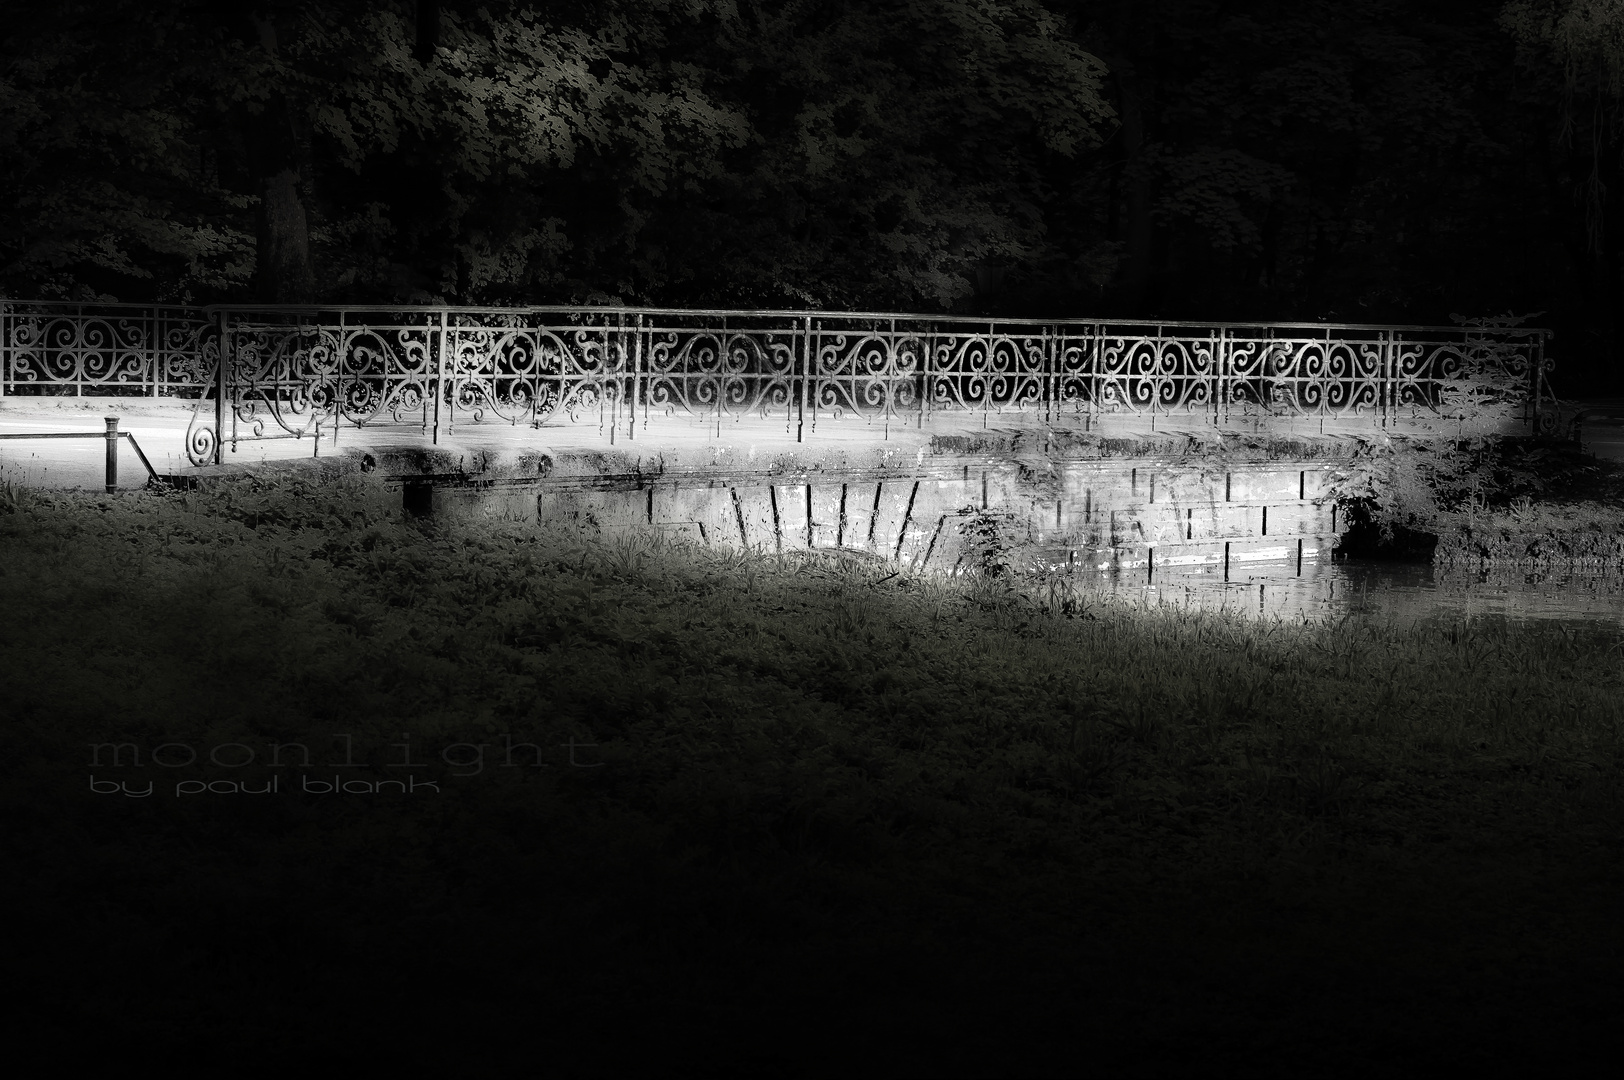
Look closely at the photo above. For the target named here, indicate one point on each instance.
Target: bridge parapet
(278, 372)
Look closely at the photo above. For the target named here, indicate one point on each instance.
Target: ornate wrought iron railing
(290, 372)
(79, 350)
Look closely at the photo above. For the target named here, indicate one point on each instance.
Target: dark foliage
(825, 820)
(1362, 161)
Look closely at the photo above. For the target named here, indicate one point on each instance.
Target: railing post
(927, 376)
(889, 399)
(603, 387)
(1388, 363)
(986, 385)
(612, 406)
(1048, 374)
(439, 378)
(637, 376)
(220, 386)
(1093, 335)
(806, 381)
(112, 453)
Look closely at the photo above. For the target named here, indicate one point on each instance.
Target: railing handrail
(213, 310)
(111, 435)
(295, 365)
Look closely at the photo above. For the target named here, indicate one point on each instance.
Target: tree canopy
(1363, 160)
(807, 152)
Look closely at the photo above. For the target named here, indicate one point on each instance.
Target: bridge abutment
(1080, 503)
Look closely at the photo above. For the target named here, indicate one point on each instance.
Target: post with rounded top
(220, 388)
(112, 454)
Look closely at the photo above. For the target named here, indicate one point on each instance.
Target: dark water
(1402, 593)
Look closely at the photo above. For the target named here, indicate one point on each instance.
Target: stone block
(857, 516)
(484, 504)
(824, 527)
(1185, 488)
(1316, 482)
(790, 513)
(1165, 524)
(756, 508)
(1297, 519)
(594, 509)
(1263, 485)
(1255, 551)
(1089, 486)
(709, 508)
(937, 497)
(891, 516)
(935, 543)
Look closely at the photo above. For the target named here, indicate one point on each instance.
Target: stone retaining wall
(1100, 513)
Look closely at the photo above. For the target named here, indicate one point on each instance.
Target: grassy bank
(783, 815)
(1485, 503)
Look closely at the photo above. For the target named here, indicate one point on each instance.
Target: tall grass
(804, 776)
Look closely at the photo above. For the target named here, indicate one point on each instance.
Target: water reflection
(1398, 592)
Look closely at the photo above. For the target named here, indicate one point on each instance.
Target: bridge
(288, 371)
(1076, 430)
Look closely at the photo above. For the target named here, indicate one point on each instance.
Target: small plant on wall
(987, 545)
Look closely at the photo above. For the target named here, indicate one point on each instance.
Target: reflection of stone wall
(1119, 513)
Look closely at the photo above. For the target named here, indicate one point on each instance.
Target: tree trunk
(283, 273)
(1140, 252)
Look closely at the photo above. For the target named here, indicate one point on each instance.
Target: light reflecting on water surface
(1398, 592)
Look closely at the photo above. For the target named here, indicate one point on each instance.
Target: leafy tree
(109, 177)
(896, 152)
(1293, 159)
(519, 151)
(1366, 160)
(1574, 50)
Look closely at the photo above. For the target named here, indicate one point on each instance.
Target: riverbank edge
(1514, 504)
(1578, 537)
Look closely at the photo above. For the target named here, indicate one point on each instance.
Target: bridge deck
(159, 426)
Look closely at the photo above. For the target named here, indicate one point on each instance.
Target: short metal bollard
(112, 453)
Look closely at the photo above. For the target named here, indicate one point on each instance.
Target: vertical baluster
(1051, 370)
(637, 377)
(808, 345)
(612, 406)
(437, 361)
(889, 377)
(990, 369)
(927, 369)
(220, 380)
(1093, 334)
(1384, 366)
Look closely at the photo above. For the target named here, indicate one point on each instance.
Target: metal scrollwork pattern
(101, 350)
(293, 373)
